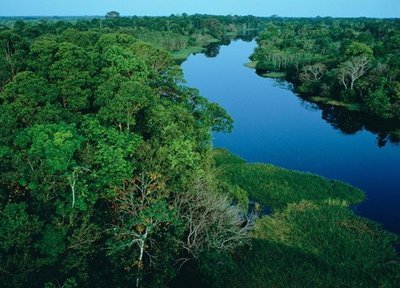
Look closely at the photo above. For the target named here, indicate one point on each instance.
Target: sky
(288, 8)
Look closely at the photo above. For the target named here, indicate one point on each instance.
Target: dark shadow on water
(212, 50)
(349, 122)
(247, 35)
(288, 131)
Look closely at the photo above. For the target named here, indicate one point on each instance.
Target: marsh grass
(348, 106)
(274, 75)
(276, 187)
(312, 239)
(184, 53)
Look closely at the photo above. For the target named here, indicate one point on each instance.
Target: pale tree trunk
(141, 244)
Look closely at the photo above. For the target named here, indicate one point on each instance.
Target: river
(274, 125)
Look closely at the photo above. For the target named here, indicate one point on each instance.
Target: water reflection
(273, 125)
(212, 50)
(350, 122)
(346, 121)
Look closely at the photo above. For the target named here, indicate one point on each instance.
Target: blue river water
(274, 125)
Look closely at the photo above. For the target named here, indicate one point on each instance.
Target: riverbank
(312, 238)
(276, 187)
(201, 46)
(331, 102)
(314, 99)
(183, 54)
(273, 75)
(353, 107)
(274, 125)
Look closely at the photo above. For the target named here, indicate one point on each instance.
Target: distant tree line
(347, 60)
(352, 61)
(108, 178)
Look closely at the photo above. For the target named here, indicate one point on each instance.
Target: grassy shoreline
(182, 54)
(312, 238)
(251, 64)
(314, 99)
(327, 101)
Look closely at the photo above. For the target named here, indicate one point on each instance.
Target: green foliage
(275, 75)
(124, 63)
(52, 244)
(378, 103)
(323, 245)
(88, 107)
(311, 239)
(53, 145)
(72, 71)
(28, 100)
(355, 53)
(277, 187)
(121, 100)
(18, 228)
(18, 233)
(69, 283)
(110, 154)
(220, 120)
(142, 215)
(358, 49)
(83, 110)
(274, 264)
(224, 157)
(330, 231)
(14, 47)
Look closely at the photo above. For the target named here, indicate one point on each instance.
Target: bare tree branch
(313, 73)
(212, 221)
(353, 69)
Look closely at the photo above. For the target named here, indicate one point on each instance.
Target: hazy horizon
(283, 8)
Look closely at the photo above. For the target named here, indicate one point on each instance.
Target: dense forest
(348, 62)
(108, 176)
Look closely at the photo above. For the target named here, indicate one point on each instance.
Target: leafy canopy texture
(98, 140)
